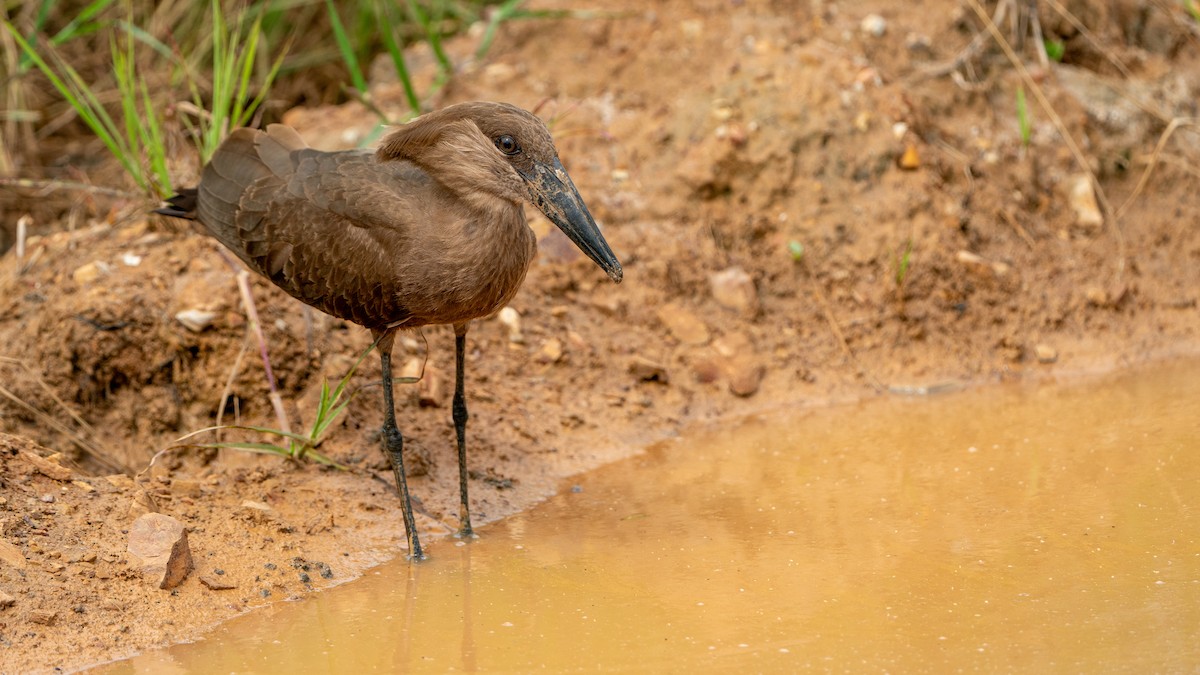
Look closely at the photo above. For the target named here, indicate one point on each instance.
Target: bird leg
(460, 429)
(393, 442)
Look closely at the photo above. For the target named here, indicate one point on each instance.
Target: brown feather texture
(428, 229)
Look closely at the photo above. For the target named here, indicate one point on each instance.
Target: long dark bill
(556, 196)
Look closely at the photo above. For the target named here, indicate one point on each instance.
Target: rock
(683, 325)
(11, 555)
(1096, 296)
(744, 376)
(969, 258)
(551, 352)
(430, 390)
(6, 600)
(86, 274)
(734, 289)
(255, 506)
(1045, 353)
(511, 320)
(412, 371)
(607, 303)
(577, 342)
(44, 617)
(216, 583)
(158, 548)
(706, 370)
(1082, 198)
(187, 487)
(873, 25)
(648, 371)
(141, 503)
(120, 481)
(46, 467)
(734, 344)
(736, 357)
(195, 320)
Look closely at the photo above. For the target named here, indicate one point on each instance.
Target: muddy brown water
(1028, 528)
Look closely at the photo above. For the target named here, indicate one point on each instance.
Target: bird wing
(327, 227)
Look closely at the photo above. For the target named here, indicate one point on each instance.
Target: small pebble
(1045, 353)
(873, 25)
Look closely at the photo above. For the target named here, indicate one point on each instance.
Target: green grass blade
(84, 102)
(261, 448)
(156, 148)
(347, 51)
(322, 423)
(218, 124)
(123, 72)
(265, 86)
(77, 26)
(500, 14)
(273, 432)
(149, 40)
(39, 22)
(433, 35)
(383, 12)
(322, 459)
(244, 74)
(1023, 117)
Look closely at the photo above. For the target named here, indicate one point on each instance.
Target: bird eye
(508, 145)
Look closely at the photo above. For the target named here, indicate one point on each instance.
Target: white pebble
(873, 25)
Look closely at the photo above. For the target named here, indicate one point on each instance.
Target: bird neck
(466, 163)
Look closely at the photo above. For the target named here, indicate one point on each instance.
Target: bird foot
(466, 533)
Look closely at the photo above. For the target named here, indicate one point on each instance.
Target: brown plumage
(428, 229)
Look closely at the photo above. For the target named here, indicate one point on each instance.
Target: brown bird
(428, 229)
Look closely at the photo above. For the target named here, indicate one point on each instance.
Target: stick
(243, 280)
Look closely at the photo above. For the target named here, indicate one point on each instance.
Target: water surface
(1026, 528)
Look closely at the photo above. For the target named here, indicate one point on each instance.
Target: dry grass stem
(92, 448)
(237, 366)
(1076, 152)
(243, 281)
(1176, 123)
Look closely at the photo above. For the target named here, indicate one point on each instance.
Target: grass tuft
(300, 446)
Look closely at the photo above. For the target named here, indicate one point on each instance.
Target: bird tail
(182, 205)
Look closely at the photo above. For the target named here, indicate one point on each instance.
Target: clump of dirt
(811, 203)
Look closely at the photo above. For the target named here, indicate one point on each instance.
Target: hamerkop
(428, 229)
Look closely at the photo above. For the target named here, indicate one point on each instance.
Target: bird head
(507, 152)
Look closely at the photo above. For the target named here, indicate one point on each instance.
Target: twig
(243, 280)
(22, 232)
(1039, 42)
(966, 54)
(237, 366)
(75, 186)
(1158, 148)
(1016, 225)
